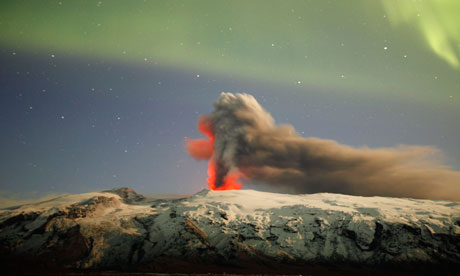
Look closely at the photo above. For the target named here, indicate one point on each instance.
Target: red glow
(205, 127)
(230, 181)
(200, 149)
(204, 149)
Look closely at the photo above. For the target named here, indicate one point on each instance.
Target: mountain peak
(126, 194)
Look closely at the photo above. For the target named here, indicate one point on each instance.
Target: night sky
(101, 94)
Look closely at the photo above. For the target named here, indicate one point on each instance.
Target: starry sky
(101, 94)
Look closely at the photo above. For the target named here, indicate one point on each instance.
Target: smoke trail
(246, 142)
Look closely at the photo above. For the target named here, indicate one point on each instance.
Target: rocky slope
(242, 231)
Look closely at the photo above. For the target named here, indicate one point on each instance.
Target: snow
(60, 201)
(311, 227)
(247, 202)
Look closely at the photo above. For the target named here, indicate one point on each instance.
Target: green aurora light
(403, 49)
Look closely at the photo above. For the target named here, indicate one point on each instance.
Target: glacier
(225, 231)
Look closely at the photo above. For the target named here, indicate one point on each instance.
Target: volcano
(220, 178)
(236, 231)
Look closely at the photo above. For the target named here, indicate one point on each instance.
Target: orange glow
(230, 181)
(204, 149)
(200, 149)
(205, 127)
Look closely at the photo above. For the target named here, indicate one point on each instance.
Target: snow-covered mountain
(229, 231)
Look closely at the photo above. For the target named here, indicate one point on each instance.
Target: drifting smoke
(245, 142)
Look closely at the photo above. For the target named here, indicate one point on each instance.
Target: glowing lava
(203, 149)
(230, 181)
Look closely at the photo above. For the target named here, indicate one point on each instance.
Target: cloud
(246, 139)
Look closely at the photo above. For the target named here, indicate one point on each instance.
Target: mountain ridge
(229, 231)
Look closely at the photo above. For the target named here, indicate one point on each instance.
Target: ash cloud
(247, 139)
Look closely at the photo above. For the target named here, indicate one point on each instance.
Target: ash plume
(245, 141)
